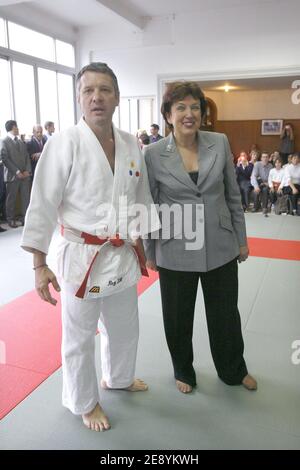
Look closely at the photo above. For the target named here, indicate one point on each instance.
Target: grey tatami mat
(214, 416)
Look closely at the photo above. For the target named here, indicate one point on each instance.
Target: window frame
(152, 100)
(14, 56)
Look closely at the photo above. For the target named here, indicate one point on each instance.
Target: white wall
(264, 35)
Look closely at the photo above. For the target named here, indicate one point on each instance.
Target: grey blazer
(14, 157)
(216, 188)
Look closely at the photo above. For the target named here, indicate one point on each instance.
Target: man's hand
(25, 174)
(43, 277)
(244, 253)
(257, 190)
(20, 176)
(151, 265)
(35, 156)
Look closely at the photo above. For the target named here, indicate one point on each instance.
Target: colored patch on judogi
(95, 290)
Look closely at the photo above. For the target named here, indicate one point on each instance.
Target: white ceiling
(91, 12)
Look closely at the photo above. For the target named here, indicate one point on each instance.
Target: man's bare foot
(183, 387)
(137, 385)
(96, 419)
(249, 382)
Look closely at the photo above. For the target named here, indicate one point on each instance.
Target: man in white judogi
(88, 178)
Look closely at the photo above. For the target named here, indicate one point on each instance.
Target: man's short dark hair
(99, 67)
(155, 126)
(48, 123)
(9, 125)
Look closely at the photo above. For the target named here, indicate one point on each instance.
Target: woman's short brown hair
(177, 91)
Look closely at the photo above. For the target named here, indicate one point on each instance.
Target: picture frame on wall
(271, 126)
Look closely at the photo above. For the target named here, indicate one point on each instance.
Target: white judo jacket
(74, 185)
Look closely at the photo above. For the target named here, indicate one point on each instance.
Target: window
(65, 54)
(37, 74)
(65, 100)
(135, 113)
(116, 117)
(56, 98)
(134, 107)
(2, 33)
(48, 96)
(125, 114)
(24, 93)
(145, 113)
(31, 42)
(5, 96)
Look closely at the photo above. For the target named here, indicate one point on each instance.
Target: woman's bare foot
(183, 387)
(137, 385)
(249, 382)
(96, 419)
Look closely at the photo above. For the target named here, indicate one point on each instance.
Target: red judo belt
(115, 241)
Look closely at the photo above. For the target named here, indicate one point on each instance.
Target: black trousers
(263, 196)
(220, 291)
(245, 189)
(293, 197)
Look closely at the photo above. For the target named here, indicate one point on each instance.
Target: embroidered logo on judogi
(95, 290)
(133, 171)
(115, 282)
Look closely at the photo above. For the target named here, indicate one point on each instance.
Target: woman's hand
(151, 265)
(43, 277)
(244, 253)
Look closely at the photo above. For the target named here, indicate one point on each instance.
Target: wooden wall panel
(242, 134)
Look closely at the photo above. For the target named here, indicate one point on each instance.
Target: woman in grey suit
(191, 175)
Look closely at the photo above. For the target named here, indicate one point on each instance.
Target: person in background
(259, 180)
(254, 148)
(287, 142)
(155, 136)
(49, 128)
(275, 178)
(274, 156)
(289, 161)
(17, 172)
(254, 156)
(291, 182)
(193, 170)
(35, 146)
(144, 141)
(243, 174)
(140, 132)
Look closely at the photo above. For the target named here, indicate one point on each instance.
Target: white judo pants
(117, 319)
